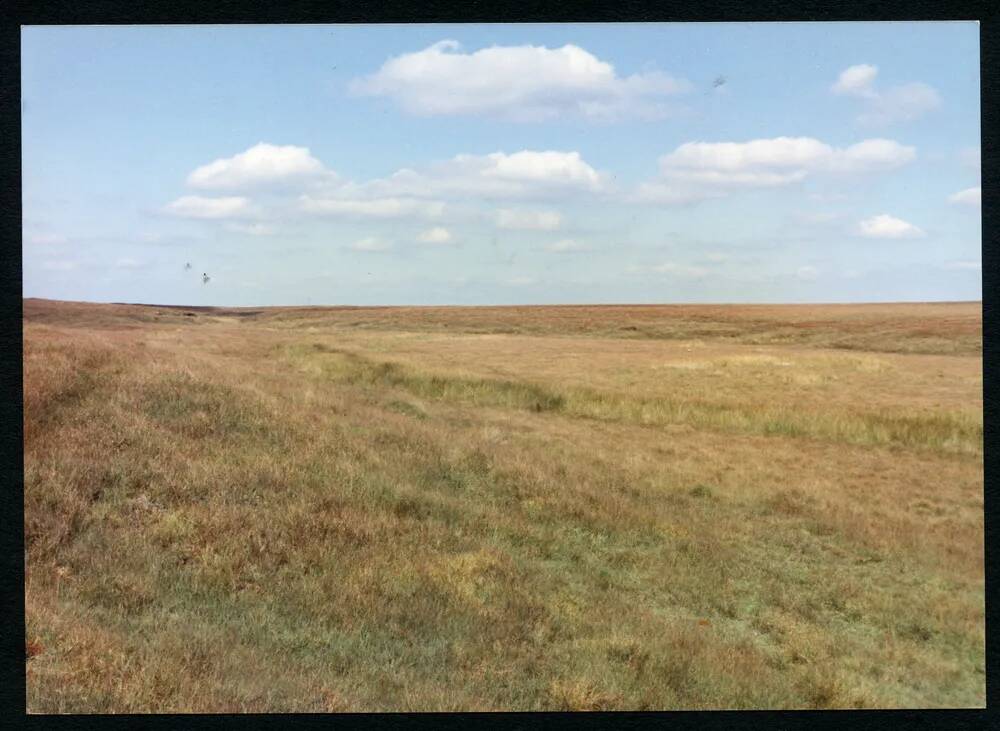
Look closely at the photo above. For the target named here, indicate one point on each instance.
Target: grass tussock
(246, 515)
(357, 370)
(949, 432)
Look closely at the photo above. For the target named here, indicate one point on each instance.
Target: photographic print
(502, 367)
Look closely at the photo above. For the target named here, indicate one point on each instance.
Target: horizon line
(525, 304)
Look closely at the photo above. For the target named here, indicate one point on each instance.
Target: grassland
(360, 509)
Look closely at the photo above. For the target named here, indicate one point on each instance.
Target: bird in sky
(205, 278)
(187, 266)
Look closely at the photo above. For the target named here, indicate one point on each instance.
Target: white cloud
(856, 80)
(807, 273)
(764, 162)
(371, 244)
(897, 104)
(436, 235)
(967, 197)
(528, 220)
(873, 155)
(901, 104)
(371, 208)
(48, 239)
(524, 174)
(521, 83)
(696, 171)
(777, 161)
(561, 168)
(885, 226)
(262, 164)
(964, 265)
(192, 206)
(127, 263)
(566, 246)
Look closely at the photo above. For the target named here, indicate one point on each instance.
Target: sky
(501, 164)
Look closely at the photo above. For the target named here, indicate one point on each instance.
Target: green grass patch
(946, 432)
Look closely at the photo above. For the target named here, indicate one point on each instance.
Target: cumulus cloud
(192, 206)
(873, 155)
(371, 244)
(371, 208)
(437, 235)
(558, 168)
(856, 80)
(416, 193)
(901, 103)
(885, 226)
(777, 161)
(696, 171)
(528, 220)
(967, 197)
(262, 164)
(523, 174)
(519, 83)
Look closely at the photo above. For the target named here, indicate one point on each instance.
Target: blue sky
(495, 164)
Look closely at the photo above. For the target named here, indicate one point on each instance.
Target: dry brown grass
(943, 327)
(410, 509)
